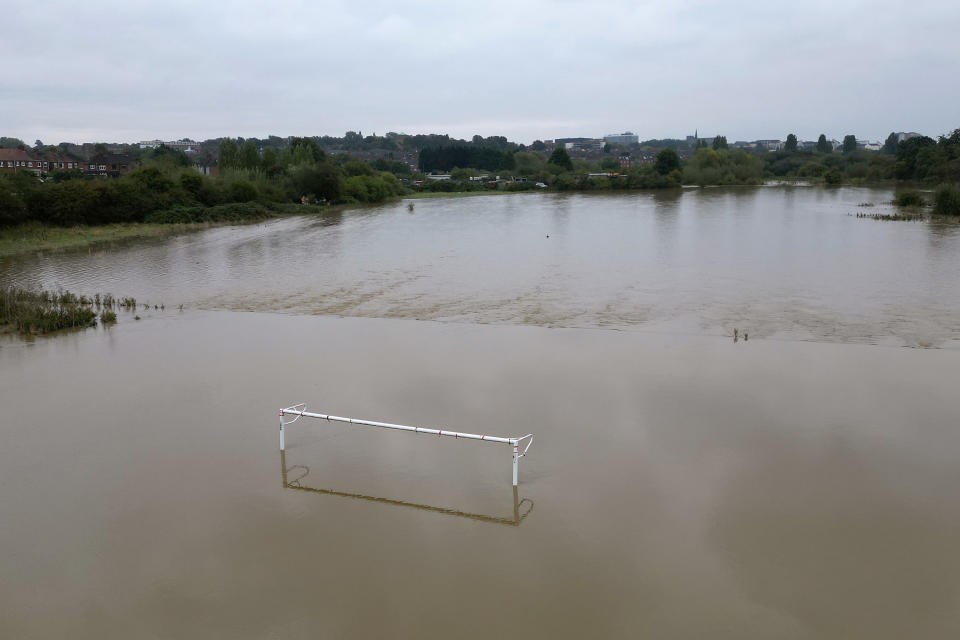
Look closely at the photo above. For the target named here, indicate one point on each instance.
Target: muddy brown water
(680, 485)
(778, 262)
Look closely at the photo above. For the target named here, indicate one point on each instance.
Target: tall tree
(249, 156)
(823, 146)
(791, 144)
(561, 158)
(719, 142)
(849, 143)
(667, 160)
(890, 146)
(227, 154)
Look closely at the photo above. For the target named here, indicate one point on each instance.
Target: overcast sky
(132, 70)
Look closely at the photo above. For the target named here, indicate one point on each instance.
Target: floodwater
(782, 262)
(680, 484)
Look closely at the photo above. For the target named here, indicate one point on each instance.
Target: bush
(175, 215)
(833, 176)
(243, 191)
(947, 200)
(909, 198)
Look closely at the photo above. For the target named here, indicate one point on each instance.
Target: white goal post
(299, 411)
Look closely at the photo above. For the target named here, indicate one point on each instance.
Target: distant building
(769, 145)
(186, 145)
(625, 161)
(695, 139)
(581, 144)
(903, 135)
(627, 137)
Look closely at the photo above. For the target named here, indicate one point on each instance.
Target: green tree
(249, 156)
(849, 143)
(666, 161)
(321, 181)
(791, 144)
(890, 146)
(99, 149)
(307, 147)
(355, 167)
(561, 158)
(228, 154)
(719, 142)
(270, 163)
(528, 163)
(823, 146)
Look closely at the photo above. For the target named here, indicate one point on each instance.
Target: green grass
(35, 236)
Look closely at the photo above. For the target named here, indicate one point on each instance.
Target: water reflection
(521, 507)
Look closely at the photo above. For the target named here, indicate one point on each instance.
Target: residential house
(111, 165)
(19, 160)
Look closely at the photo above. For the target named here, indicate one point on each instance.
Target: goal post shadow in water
(521, 507)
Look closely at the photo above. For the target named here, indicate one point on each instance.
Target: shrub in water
(908, 198)
(947, 200)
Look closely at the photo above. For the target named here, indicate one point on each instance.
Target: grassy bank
(35, 236)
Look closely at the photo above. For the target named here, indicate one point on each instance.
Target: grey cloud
(540, 69)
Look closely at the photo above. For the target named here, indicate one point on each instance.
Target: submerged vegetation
(40, 312)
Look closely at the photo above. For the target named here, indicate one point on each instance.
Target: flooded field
(681, 484)
(793, 263)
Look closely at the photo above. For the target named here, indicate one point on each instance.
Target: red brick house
(112, 165)
(19, 160)
(46, 162)
(55, 161)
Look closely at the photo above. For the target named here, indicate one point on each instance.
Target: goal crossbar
(299, 411)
